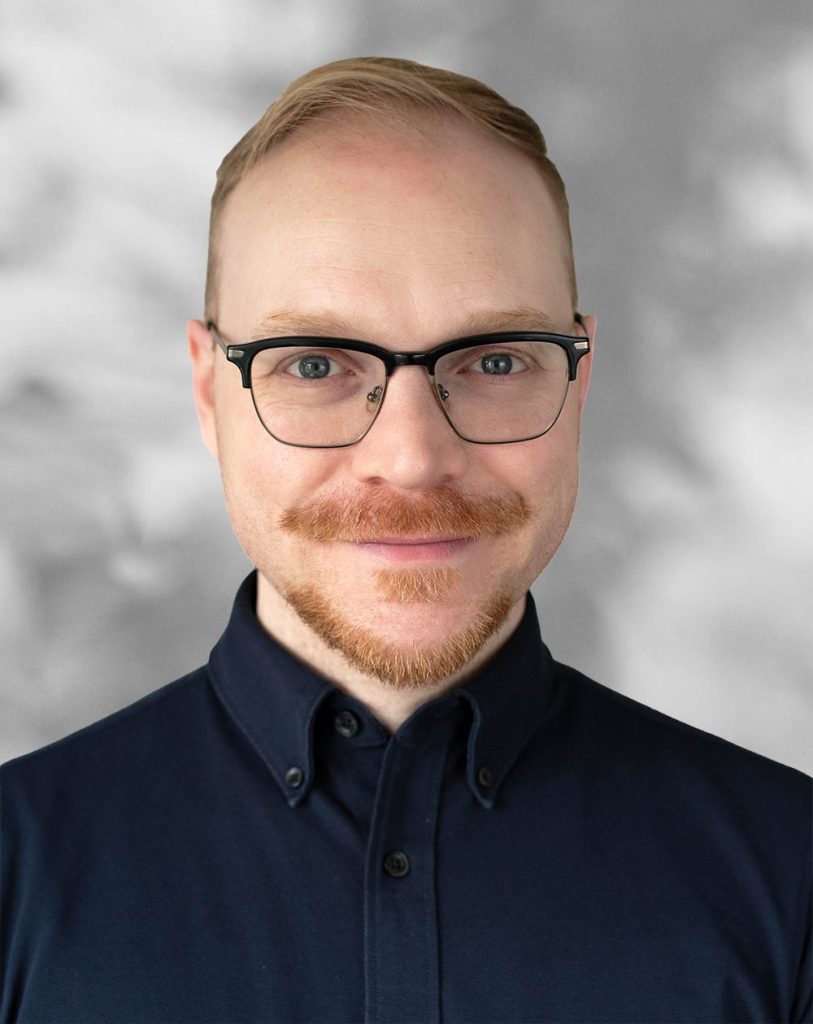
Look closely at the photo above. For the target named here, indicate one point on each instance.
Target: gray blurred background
(684, 133)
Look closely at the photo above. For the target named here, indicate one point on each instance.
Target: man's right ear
(202, 350)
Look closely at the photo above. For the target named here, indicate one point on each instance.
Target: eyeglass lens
(508, 391)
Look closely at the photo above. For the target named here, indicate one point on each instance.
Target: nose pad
(375, 396)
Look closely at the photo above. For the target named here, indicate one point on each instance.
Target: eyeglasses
(315, 392)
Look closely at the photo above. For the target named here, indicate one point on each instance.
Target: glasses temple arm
(213, 331)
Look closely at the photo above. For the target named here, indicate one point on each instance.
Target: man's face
(403, 239)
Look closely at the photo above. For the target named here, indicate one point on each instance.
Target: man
(382, 799)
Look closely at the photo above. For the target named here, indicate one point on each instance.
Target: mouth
(414, 549)
(401, 539)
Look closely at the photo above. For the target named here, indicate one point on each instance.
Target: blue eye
(499, 364)
(314, 367)
(496, 364)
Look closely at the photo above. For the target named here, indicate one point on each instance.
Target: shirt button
(294, 777)
(396, 864)
(346, 723)
(484, 777)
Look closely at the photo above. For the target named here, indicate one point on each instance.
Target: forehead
(394, 219)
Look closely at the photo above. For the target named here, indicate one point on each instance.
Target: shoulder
(99, 754)
(627, 736)
(733, 814)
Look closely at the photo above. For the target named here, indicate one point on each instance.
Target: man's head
(387, 202)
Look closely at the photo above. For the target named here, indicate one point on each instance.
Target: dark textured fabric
(250, 844)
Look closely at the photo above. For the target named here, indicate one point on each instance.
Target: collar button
(346, 723)
(484, 777)
(294, 777)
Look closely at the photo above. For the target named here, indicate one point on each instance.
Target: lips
(415, 549)
(412, 540)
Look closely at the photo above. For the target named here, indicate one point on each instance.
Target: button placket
(401, 927)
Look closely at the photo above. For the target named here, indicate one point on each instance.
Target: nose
(411, 445)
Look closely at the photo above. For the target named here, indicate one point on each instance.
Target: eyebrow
(327, 323)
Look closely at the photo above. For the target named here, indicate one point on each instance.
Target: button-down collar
(275, 697)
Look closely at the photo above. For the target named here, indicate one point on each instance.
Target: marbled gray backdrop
(685, 134)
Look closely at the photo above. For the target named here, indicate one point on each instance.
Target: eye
(314, 366)
(500, 364)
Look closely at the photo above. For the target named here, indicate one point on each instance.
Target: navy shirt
(250, 844)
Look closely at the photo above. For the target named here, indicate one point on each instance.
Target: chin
(417, 645)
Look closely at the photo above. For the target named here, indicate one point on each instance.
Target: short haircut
(393, 91)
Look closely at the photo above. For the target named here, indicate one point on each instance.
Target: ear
(585, 366)
(202, 351)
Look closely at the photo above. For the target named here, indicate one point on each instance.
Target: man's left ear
(585, 366)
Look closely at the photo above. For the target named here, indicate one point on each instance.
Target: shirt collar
(274, 698)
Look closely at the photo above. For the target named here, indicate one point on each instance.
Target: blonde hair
(392, 90)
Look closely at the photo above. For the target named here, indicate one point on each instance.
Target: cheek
(263, 478)
(546, 473)
(253, 465)
(542, 468)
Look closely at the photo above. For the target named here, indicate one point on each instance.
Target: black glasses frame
(242, 356)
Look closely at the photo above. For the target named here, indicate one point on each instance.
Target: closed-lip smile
(413, 540)
(415, 549)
